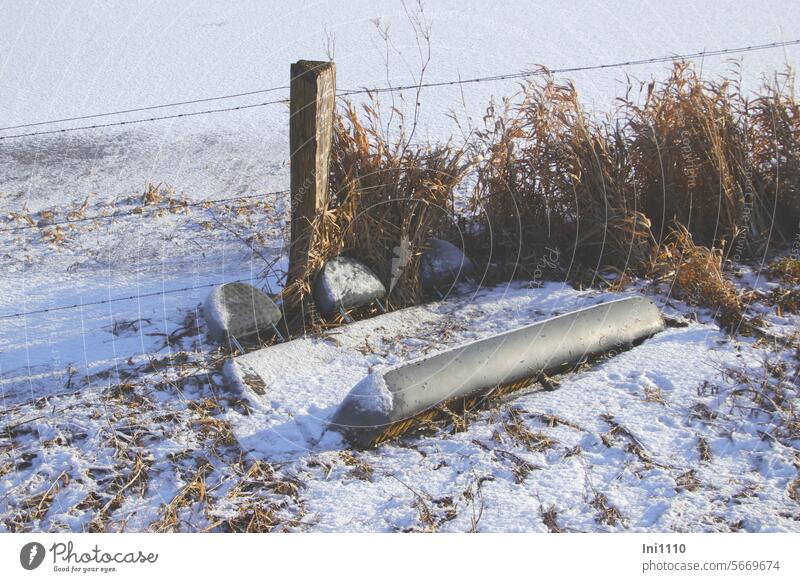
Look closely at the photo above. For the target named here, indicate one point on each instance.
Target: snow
(647, 499)
(673, 364)
(215, 313)
(486, 469)
(308, 378)
(371, 394)
(130, 394)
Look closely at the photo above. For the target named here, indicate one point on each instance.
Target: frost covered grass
(694, 430)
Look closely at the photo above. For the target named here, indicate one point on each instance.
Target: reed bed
(692, 152)
(673, 183)
(775, 115)
(679, 179)
(552, 177)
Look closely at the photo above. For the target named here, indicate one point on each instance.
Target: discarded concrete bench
(345, 283)
(385, 403)
(444, 265)
(238, 311)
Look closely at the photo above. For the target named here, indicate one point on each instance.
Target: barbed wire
(384, 89)
(143, 210)
(148, 108)
(114, 300)
(145, 120)
(545, 70)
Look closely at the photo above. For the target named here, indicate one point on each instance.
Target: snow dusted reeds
(671, 184)
(553, 177)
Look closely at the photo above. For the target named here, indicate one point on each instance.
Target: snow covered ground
(664, 437)
(114, 414)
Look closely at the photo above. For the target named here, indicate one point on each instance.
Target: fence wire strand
(374, 90)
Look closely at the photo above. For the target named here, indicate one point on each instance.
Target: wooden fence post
(312, 95)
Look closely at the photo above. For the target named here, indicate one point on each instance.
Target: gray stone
(346, 283)
(443, 265)
(239, 310)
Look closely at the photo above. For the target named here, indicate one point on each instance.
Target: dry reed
(552, 177)
(671, 184)
(695, 275)
(775, 115)
(692, 152)
(384, 193)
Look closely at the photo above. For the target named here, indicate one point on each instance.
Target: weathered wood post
(312, 95)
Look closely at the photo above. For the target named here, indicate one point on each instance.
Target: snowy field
(115, 414)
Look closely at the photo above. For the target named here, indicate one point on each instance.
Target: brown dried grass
(607, 514)
(516, 428)
(551, 175)
(775, 115)
(687, 153)
(695, 275)
(668, 185)
(692, 151)
(382, 191)
(35, 509)
(195, 491)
